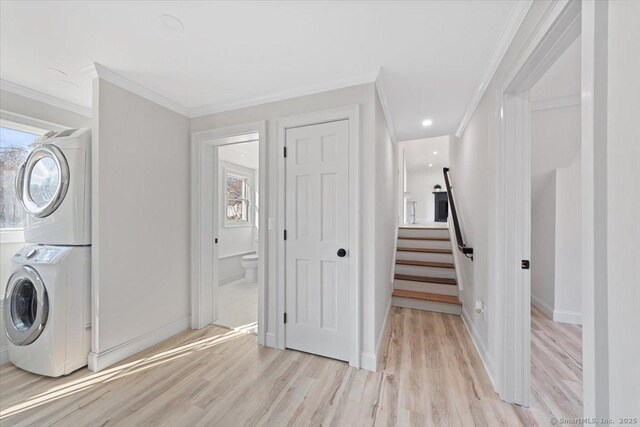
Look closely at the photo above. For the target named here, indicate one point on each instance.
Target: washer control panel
(39, 254)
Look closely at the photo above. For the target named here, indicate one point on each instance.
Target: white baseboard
(4, 356)
(271, 340)
(567, 317)
(99, 361)
(481, 348)
(542, 306)
(224, 280)
(368, 360)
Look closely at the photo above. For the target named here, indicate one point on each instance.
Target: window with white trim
(15, 143)
(237, 199)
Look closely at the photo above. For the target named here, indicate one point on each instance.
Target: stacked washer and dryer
(47, 306)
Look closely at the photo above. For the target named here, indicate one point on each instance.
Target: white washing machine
(54, 186)
(47, 309)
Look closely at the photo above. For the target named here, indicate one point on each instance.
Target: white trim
(204, 258)
(104, 73)
(542, 306)
(44, 98)
(386, 108)
(27, 124)
(567, 317)
(219, 107)
(99, 361)
(557, 102)
(479, 345)
(9, 235)
(270, 340)
(233, 278)
(369, 361)
(510, 325)
(508, 33)
(351, 113)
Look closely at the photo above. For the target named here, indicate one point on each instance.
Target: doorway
(226, 202)
(236, 230)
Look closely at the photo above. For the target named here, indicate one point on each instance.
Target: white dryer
(47, 309)
(54, 186)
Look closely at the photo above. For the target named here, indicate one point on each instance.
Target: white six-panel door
(317, 228)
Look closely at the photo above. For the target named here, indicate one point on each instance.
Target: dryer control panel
(39, 254)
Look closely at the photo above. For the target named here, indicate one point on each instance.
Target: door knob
(341, 252)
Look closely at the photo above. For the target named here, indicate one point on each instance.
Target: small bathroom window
(237, 199)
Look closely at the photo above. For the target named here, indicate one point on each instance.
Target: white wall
(420, 184)
(555, 212)
(362, 95)
(623, 208)
(386, 220)
(140, 193)
(568, 245)
(543, 247)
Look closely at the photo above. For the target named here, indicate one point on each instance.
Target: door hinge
(216, 240)
(285, 152)
(285, 318)
(285, 234)
(526, 264)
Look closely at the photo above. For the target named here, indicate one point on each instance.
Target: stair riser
(421, 232)
(440, 307)
(429, 244)
(425, 256)
(416, 270)
(432, 288)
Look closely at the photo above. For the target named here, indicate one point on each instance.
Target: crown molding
(96, 70)
(508, 33)
(386, 109)
(44, 98)
(557, 102)
(214, 108)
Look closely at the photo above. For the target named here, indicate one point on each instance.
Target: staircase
(425, 276)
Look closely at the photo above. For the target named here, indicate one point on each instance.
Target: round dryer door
(26, 306)
(43, 180)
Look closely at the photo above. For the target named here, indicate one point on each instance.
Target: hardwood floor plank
(430, 375)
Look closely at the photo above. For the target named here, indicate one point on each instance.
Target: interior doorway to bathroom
(236, 212)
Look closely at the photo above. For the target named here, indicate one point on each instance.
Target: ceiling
(419, 153)
(434, 54)
(244, 154)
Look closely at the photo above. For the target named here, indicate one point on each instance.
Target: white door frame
(351, 113)
(204, 260)
(510, 327)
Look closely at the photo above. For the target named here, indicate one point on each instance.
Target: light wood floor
(431, 375)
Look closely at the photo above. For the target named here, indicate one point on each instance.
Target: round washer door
(43, 180)
(26, 306)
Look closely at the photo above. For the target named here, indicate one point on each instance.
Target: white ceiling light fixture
(243, 154)
(430, 165)
(427, 122)
(435, 152)
(171, 22)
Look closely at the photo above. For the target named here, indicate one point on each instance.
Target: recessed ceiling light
(430, 165)
(59, 73)
(70, 83)
(435, 152)
(243, 154)
(171, 22)
(427, 122)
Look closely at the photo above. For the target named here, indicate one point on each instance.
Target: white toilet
(250, 264)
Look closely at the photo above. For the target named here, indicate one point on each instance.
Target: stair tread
(428, 250)
(441, 239)
(424, 263)
(424, 228)
(426, 296)
(426, 279)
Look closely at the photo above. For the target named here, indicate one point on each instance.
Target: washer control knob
(31, 253)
